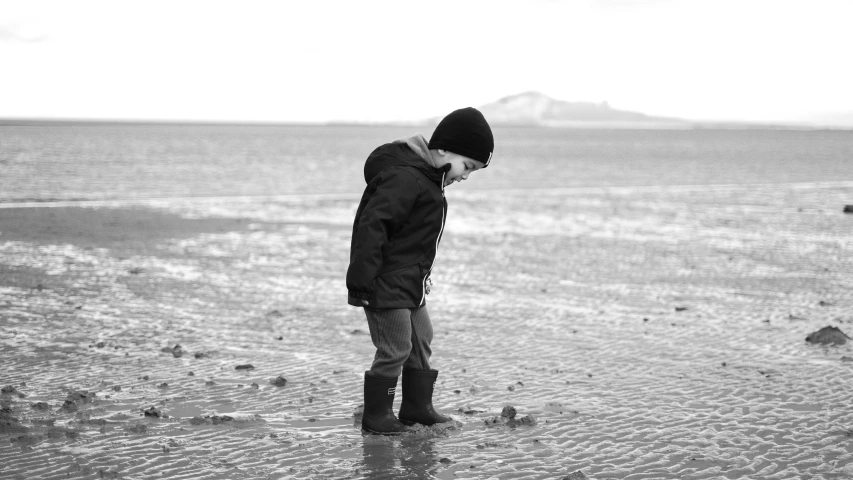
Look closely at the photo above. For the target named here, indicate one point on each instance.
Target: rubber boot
(417, 398)
(378, 414)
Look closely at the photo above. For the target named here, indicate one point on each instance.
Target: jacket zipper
(438, 239)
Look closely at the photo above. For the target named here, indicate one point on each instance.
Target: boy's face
(460, 167)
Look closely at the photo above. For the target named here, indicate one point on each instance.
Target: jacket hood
(419, 145)
(410, 152)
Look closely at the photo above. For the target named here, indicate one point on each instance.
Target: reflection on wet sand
(400, 458)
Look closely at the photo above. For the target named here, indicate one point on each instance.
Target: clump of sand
(436, 430)
(507, 417)
(8, 423)
(75, 398)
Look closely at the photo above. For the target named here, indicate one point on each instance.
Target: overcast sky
(362, 60)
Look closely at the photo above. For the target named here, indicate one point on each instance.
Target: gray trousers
(402, 337)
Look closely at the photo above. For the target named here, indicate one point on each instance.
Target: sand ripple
(651, 333)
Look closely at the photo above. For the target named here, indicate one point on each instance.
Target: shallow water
(653, 332)
(82, 161)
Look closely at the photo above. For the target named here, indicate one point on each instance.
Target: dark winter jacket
(397, 228)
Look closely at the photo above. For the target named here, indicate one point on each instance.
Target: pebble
(247, 366)
(279, 381)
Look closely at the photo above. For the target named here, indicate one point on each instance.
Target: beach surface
(640, 332)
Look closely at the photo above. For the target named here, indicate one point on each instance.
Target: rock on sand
(828, 336)
(154, 412)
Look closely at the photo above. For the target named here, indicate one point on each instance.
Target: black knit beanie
(465, 132)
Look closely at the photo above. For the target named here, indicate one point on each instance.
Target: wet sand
(654, 332)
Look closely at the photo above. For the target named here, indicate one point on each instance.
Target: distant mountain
(537, 109)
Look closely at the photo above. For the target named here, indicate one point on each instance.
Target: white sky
(321, 60)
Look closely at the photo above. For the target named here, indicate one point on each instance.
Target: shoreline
(154, 201)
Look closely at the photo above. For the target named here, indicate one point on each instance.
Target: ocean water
(93, 161)
(644, 296)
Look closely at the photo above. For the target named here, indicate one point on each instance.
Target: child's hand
(365, 302)
(428, 285)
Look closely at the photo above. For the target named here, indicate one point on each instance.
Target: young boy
(396, 232)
